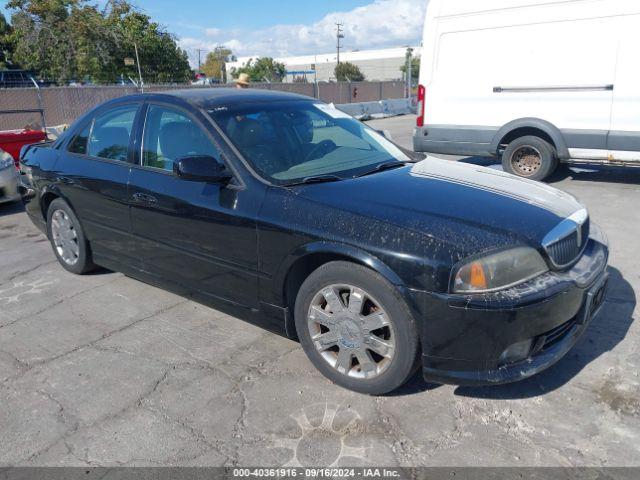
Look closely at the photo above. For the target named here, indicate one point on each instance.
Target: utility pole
(339, 36)
(199, 61)
(408, 70)
(135, 46)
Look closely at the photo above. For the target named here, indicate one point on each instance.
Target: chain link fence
(62, 105)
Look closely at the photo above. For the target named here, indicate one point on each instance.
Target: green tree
(74, 39)
(161, 59)
(7, 43)
(262, 69)
(43, 37)
(415, 69)
(214, 65)
(348, 72)
(94, 43)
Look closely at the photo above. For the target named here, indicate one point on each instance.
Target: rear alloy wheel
(356, 329)
(64, 238)
(529, 157)
(67, 238)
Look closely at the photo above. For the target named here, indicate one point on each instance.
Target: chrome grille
(585, 232)
(564, 251)
(566, 247)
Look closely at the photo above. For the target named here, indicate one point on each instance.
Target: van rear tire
(530, 157)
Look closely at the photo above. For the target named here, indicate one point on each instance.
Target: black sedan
(319, 227)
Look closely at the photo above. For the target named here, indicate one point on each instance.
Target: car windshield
(288, 142)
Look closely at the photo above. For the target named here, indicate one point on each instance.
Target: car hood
(472, 207)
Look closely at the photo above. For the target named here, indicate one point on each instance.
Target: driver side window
(170, 135)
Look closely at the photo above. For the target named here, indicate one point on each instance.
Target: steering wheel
(323, 147)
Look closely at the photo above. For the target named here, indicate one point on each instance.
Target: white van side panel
(471, 64)
(625, 115)
(495, 63)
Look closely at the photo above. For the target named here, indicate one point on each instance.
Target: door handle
(144, 198)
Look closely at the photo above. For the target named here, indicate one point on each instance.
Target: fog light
(516, 352)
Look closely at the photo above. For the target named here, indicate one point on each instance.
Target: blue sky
(287, 27)
(247, 14)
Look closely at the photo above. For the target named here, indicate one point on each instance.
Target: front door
(199, 235)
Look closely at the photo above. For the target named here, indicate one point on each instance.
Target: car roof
(214, 97)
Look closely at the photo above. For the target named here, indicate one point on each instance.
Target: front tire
(530, 157)
(67, 238)
(356, 329)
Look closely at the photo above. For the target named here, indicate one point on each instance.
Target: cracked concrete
(103, 370)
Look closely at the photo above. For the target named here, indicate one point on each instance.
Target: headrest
(176, 140)
(248, 133)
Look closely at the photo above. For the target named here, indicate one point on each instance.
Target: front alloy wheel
(356, 328)
(351, 331)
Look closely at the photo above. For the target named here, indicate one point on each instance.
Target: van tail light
(420, 119)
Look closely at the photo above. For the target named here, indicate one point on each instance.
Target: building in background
(384, 64)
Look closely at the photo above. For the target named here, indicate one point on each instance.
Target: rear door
(623, 142)
(199, 235)
(93, 174)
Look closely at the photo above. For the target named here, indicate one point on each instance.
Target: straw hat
(243, 79)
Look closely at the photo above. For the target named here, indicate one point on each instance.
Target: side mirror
(201, 168)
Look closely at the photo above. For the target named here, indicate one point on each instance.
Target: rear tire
(356, 329)
(67, 238)
(530, 157)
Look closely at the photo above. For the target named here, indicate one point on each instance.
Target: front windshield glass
(287, 142)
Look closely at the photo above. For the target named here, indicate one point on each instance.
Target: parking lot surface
(103, 370)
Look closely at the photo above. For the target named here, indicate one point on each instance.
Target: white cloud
(212, 32)
(382, 23)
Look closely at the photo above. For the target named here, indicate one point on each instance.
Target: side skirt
(270, 317)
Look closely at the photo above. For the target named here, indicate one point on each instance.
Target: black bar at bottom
(417, 473)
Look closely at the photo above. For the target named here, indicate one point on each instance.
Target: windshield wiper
(316, 179)
(384, 166)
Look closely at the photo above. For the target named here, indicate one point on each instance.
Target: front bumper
(9, 185)
(464, 336)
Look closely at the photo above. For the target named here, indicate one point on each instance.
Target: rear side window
(170, 135)
(107, 135)
(79, 142)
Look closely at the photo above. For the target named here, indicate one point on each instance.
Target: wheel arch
(48, 195)
(46, 198)
(307, 258)
(531, 126)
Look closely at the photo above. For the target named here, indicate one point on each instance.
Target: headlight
(6, 160)
(498, 270)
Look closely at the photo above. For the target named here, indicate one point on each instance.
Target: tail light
(421, 93)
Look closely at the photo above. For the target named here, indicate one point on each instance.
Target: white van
(535, 81)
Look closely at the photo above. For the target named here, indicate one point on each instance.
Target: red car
(11, 141)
